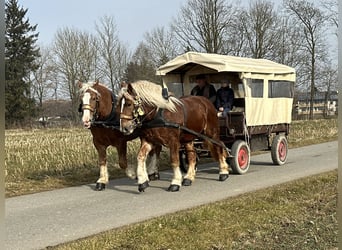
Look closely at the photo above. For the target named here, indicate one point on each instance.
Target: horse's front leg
(142, 175)
(177, 174)
(191, 156)
(103, 179)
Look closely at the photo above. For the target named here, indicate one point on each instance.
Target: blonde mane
(90, 85)
(151, 93)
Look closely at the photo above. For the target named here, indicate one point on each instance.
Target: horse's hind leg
(191, 156)
(152, 167)
(121, 148)
(220, 155)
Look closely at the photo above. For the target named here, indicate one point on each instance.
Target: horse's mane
(151, 93)
(90, 85)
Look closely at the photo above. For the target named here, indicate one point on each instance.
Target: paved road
(49, 218)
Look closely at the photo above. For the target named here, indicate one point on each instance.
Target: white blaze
(122, 106)
(86, 112)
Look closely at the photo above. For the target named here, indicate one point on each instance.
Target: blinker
(139, 111)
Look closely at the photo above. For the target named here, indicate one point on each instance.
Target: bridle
(138, 114)
(91, 109)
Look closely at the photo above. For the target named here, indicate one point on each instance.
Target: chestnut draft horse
(98, 107)
(170, 122)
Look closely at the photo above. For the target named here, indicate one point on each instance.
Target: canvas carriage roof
(222, 63)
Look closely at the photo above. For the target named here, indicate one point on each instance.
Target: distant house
(55, 113)
(323, 105)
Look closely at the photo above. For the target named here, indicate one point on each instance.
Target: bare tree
(201, 25)
(42, 78)
(331, 7)
(235, 38)
(162, 45)
(312, 21)
(113, 54)
(75, 53)
(260, 24)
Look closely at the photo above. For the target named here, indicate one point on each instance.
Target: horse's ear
(130, 89)
(79, 83)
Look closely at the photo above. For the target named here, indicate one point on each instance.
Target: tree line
(297, 33)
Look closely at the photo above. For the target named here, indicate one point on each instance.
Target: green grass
(298, 215)
(44, 159)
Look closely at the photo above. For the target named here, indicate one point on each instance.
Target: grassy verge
(297, 215)
(44, 159)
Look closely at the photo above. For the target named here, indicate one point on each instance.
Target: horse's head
(90, 101)
(140, 102)
(130, 109)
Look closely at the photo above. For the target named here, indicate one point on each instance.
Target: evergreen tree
(141, 67)
(20, 54)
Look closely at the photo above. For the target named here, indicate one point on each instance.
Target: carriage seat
(238, 106)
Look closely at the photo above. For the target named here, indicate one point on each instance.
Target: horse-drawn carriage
(261, 114)
(259, 120)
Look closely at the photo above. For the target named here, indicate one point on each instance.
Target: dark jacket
(225, 98)
(207, 91)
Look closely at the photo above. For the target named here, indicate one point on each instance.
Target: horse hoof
(153, 177)
(143, 186)
(223, 177)
(100, 186)
(173, 188)
(187, 182)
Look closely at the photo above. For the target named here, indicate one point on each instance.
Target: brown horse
(98, 107)
(170, 122)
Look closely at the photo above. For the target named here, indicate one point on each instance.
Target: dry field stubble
(44, 159)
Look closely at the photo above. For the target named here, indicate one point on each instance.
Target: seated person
(203, 88)
(224, 99)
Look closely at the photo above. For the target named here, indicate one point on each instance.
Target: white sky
(132, 17)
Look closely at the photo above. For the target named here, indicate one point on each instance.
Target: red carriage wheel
(241, 157)
(279, 149)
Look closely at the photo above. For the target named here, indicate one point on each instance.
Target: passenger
(224, 99)
(203, 88)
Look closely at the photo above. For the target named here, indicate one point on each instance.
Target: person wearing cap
(224, 99)
(203, 88)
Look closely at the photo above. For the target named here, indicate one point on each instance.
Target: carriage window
(241, 89)
(176, 89)
(257, 87)
(280, 89)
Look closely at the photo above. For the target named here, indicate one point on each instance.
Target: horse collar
(110, 119)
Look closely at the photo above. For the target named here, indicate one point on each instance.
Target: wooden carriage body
(263, 94)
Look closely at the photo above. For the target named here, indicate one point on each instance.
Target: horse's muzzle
(127, 130)
(87, 124)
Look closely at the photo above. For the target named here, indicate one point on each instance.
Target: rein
(159, 121)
